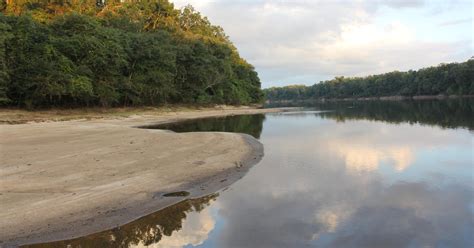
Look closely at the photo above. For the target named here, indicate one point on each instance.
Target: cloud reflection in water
(322, 184)
(326, 181)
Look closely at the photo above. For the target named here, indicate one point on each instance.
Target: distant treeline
(117, 53)
(445, 79)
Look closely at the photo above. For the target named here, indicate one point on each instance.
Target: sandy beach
(60, 180)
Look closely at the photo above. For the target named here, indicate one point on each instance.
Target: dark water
(249, 124)
(365, 174)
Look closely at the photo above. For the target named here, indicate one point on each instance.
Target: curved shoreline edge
(230, 158)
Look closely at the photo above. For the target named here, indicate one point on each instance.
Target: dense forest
(70, 53)
(445, 79)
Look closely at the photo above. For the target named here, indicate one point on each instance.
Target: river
(334, 174)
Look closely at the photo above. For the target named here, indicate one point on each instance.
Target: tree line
(117, 53)
(444, 79)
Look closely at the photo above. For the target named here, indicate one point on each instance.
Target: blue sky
(304, 42)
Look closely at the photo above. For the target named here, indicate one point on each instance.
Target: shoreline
(377, 98)
(63, 180)
(24, 116)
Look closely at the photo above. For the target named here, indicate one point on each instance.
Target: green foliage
(5, 34)
(445, 79)
(75, 53)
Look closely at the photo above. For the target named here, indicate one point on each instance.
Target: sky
(305, 42)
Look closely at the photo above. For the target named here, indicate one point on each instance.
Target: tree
(445, 79)
(75, 53)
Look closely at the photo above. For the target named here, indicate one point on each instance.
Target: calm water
(366, 174)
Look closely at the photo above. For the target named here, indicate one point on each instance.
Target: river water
(348, 174)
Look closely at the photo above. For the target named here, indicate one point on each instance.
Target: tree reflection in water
(446, 113)
(249, 124)
(146, 231)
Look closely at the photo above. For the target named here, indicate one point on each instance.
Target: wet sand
(61, 180)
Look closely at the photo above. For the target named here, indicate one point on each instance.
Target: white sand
(61, 180)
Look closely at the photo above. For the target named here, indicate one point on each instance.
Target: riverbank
(400, 98)
(66, 179)
(381, 98)
(21, 116)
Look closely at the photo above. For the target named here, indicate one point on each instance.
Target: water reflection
(164, 227)
(361, 182)
(364, 157)
(305, 192)
(448, 113)
(249, 124)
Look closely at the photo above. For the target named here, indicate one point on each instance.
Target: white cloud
(308, 41)
(363, 158)
(454, 22)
